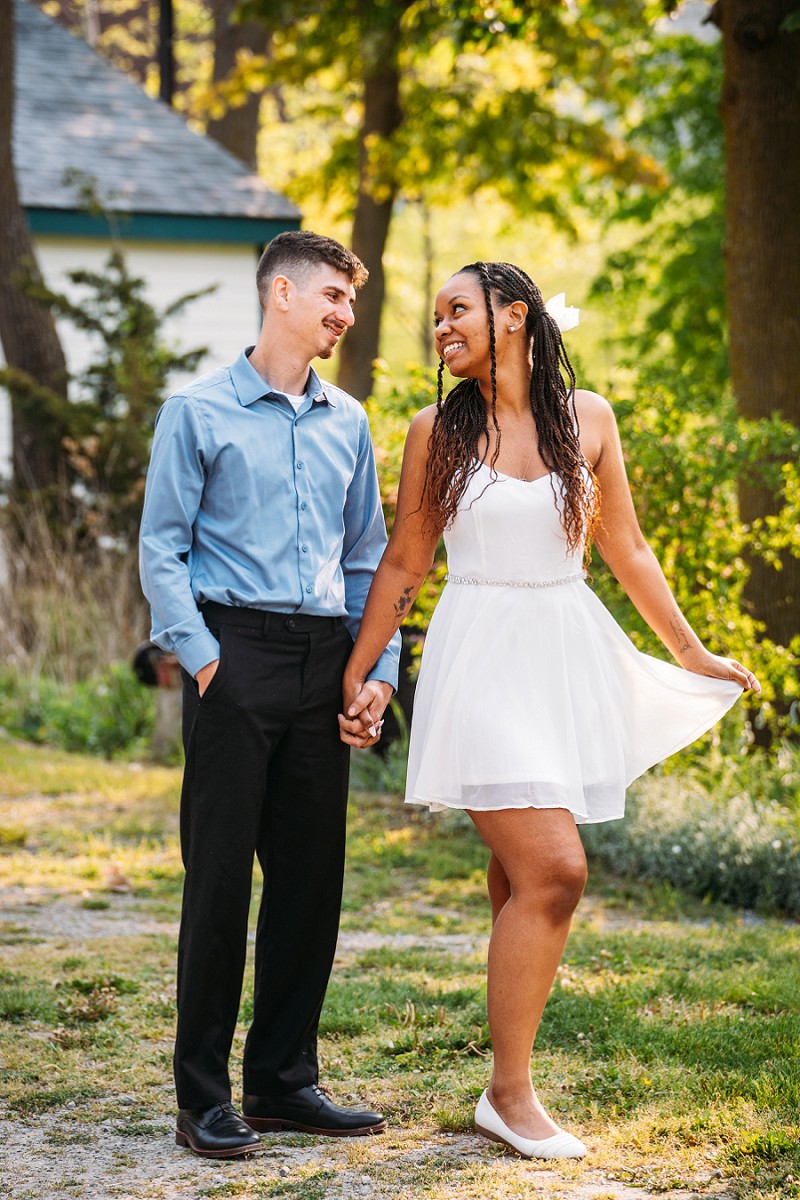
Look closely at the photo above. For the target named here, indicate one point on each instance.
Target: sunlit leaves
(504, 96)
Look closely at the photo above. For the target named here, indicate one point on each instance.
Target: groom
(261, 531)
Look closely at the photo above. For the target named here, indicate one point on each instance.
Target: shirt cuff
(387, 668)
(198, 651)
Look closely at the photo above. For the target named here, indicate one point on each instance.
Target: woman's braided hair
(461, 419)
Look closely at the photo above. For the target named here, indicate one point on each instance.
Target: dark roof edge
(158, 227)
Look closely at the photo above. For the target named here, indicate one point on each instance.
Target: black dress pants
(266, 775)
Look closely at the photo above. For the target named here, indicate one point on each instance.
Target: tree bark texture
(761, 117)
(382, 117)
(27, 330)
(237, 128)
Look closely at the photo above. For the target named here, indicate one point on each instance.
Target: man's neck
(284, 372)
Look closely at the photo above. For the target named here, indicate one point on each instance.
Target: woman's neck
(513, 390)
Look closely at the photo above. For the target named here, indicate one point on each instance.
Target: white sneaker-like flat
(492, 1126)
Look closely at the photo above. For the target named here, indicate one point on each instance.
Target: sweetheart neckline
(514, 478)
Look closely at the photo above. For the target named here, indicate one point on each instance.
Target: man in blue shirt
(261, 531)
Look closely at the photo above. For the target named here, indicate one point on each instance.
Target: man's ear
(279, 291)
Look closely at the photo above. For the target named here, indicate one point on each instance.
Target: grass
(669, 1043)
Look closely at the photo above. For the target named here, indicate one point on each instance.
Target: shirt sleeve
(364, 542)
(174, 489)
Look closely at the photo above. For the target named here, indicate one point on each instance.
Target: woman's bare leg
(540, 854)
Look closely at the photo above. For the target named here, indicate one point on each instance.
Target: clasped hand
(364, 704)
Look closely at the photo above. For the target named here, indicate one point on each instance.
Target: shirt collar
(251, 386)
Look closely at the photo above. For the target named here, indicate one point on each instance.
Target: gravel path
(105, 1163)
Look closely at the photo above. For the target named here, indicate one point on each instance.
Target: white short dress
(529, 693)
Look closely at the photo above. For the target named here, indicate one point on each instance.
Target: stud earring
(512, 329)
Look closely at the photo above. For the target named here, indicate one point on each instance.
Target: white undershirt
(295, 401)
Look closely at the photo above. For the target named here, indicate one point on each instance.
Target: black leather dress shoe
(215, 1132)
(310, 1111)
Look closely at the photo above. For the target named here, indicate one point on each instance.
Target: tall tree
(422, 98)
(234, 119)
(381, 119)
(30, 342)
(761, 118)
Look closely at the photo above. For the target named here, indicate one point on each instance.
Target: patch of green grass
(43, 1099)
(70, 1137)
(22, 999)
(313, 1186)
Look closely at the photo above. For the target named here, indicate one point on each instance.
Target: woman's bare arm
(623, 547)
(400, 574)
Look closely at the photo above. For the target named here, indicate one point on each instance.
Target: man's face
(321, 309)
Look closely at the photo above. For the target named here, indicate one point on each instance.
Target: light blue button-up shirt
(249, 503)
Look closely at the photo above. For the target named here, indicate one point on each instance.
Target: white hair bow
(564, 316)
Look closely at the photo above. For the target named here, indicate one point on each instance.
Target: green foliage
(476, 81)
(666, 287)
(730, 833)
(108, 714)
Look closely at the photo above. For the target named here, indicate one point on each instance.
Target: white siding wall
(225, 321)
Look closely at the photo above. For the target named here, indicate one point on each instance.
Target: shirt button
(303, 506)
(309, 589)
(299, 464)
(304, 549)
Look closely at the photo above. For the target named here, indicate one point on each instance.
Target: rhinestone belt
(524, 583)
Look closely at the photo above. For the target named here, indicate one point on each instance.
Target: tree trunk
(27, 330)
(237, 128)
(761, 117)
(382, 117)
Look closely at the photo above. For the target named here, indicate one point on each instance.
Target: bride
(533, 710)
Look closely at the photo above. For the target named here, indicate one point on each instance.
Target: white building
(188, 213)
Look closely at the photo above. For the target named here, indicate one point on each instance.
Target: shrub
(742, 850)
(108, 714)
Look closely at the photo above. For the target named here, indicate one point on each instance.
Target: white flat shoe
(492, 1126)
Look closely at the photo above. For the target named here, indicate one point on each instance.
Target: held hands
(702, 662)
(364, 706)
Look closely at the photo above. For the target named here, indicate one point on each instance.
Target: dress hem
(452, 806)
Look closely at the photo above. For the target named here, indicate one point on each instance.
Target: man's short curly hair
(298, 251)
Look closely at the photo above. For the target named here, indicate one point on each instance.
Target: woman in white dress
(533, 710)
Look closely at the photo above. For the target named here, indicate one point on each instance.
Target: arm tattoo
(403, 603)
(680, 633)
